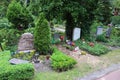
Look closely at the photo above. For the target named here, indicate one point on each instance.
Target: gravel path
(42, 66)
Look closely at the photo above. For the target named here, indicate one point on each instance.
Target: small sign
(76, 33)
(99, 30)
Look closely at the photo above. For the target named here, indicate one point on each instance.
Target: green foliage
(97, 49)
(24, 55)
(14, 72)
(10, 37)
(101, 38)
(115, 19)
(103, 11)
(79, 13)
(61, 62)
(18, 15)
(114, 41)
(115, 32)
(42, 35)
(115, 37)
(116, 4)
(4, 23)
(30, 30)
(3, 7)
(94, 26)
(55, 41)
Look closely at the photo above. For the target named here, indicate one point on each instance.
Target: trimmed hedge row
(61, 62)
(14, 72)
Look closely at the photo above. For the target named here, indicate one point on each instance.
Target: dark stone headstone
(18, 61)
(108, 32)
(56, 36)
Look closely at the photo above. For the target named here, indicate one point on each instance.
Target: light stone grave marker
(99, 30)
(76, 34)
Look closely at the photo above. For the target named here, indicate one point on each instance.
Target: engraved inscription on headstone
(76, 33)
(99, 30)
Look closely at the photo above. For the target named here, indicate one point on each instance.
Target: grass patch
(78, 71)
(112, 57)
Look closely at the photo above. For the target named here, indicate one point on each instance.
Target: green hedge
(97, 49)
(61, 62)
(14, 72)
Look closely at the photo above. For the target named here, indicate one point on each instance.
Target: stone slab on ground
(18, 61)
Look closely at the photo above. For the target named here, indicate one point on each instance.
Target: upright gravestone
(108, 32)
(26, 42)
(99, 30)
(56, 36)
(76, 33)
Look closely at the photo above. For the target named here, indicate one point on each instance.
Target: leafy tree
(116, 4)
(18, 15)
(42, 35)
(3, 7)
(77, 13)
(103, 11)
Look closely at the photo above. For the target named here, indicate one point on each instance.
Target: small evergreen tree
(42, 35)
(18, 15)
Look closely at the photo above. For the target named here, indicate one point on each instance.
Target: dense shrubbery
(18, 15)
(97, 49)
(101, 38)
(42, 35)
(4, 23)
(94, 26)
(14, 72)
(10, 37)
(61, 62)
(115, 20)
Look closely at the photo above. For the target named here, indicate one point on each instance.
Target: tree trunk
(69, 26)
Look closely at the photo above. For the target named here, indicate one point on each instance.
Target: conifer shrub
(42, 35)
(18, 15)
